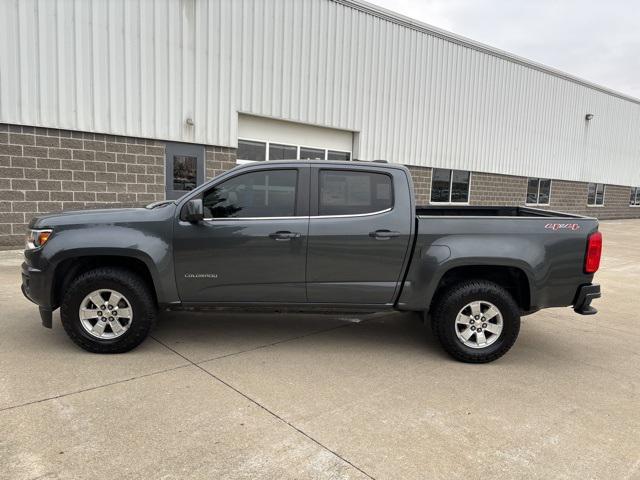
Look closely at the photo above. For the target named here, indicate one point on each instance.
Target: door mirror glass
(193, 211)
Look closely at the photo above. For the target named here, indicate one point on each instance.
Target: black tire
(449, 303)
(132, 286)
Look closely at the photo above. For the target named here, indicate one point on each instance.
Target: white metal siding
(142, 67)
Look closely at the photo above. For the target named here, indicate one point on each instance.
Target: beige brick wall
(572, 197)
(566, 196)
(421, 184)
(48, 170)
(218, 160)
(489, 189)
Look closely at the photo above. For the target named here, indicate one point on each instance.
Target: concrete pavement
(314, 396)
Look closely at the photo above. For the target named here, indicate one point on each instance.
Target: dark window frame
(450, 196)
(539, 181)
(634, 197)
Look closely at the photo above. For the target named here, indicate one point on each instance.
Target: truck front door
(252, 245)
(359, 234)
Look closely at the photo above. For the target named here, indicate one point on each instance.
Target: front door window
(266, 194)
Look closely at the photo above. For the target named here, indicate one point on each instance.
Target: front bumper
(584, 296)
(37, 288)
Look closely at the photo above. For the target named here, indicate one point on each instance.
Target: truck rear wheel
(476, 321)
(108, 310)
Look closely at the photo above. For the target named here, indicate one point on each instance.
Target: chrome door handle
(284, 235)
(384, 234)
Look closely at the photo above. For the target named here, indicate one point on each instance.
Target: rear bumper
(584, 296)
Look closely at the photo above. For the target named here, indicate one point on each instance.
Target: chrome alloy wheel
(479, 324)
(105, 314)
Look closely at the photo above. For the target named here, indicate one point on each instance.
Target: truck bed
(489, 211)
(545, 247)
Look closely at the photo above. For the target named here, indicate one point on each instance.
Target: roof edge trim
(414, 24)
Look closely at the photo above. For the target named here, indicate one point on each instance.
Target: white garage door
(262, 139)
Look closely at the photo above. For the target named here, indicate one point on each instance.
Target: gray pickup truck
(310, 236)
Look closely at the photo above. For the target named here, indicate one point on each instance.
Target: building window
(450, 186)
(184, 167)
(595, 197)
(335, 155)
(634, 200)
(282, 152)
(353, 193)
(307, 153)
(267, 193)
(251, 150)
(260, 151)
(538, 191)
(185, 172)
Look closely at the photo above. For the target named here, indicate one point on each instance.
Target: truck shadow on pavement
(203, 336)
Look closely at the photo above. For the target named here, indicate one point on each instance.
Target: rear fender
(432, 262)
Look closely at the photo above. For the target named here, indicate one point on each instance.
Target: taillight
(594, 251)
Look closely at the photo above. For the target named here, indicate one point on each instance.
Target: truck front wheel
(476, 321)
(108, 310)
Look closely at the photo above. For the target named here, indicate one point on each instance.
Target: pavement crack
(62, 395)
(270, 412)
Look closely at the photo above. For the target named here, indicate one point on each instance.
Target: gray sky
(595, 40)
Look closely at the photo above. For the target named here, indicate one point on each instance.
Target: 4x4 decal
(562, 226)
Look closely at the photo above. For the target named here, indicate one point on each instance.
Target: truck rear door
(359, 233)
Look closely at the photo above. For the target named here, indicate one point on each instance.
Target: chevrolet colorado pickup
(310, 236)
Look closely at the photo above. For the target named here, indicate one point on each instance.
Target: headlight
(37, 238)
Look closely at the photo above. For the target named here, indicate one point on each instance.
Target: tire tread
(129, 280)
(448, 298)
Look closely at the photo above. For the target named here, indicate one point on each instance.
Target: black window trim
(449, 202)
(537, 202)
(300, 179)
(316, 180)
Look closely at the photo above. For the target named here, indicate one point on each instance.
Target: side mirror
(193, 210)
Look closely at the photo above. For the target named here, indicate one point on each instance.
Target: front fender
(113, 240)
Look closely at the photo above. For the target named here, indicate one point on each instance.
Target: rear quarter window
(344, 192)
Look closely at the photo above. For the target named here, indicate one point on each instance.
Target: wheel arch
(512, 278)
(71, 267)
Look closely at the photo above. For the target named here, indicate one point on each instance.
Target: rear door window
(344, 192)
